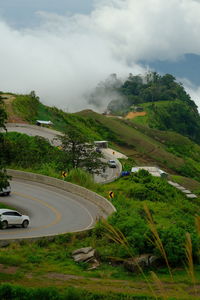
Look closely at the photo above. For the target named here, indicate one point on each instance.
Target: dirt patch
(132, 115)
(8, 270)
(62, 276)
(12, 117)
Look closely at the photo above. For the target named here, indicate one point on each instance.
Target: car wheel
(25, 224)
(7, 193)
(4, 224)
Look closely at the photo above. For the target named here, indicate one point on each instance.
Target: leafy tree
(3, 175)
(79, 152)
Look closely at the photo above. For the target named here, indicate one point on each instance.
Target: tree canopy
(80, 152)
(152, 87)
(3, 175)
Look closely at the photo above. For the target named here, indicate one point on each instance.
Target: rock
(94, 264)
(192, 196)
(186, 191)
(143, 261)
(84, 254)
(87, 255)
(82, 250)
(174, 183)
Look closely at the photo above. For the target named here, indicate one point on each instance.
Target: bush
(14, 292)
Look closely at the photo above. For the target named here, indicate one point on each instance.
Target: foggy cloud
(66, 56)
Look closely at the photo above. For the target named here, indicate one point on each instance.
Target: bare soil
(7, 269)
(12, 117)
(132, 115)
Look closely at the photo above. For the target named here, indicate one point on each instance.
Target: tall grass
(197, 221)
(159, 285)
(81, 177)
(118, 237)
(189, 260)
(156, 241)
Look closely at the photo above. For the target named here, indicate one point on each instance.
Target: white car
(9, 217)
(112, 163)
(5, 191)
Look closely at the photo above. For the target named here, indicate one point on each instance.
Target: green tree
(3, 175)
(79, 152)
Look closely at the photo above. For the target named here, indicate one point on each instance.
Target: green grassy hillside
(171, 151)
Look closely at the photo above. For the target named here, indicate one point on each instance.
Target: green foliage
(3, 175)
(127, 164)
(178, 112)
(94, 126)
(15, 260)
(26, 151)
(15, 292)
(81, 177)
(176, 116)
(172, 212)
(87, 126)
(3, 114)
(26, 106)
(3, 178)
(80, 152)
(151, 88)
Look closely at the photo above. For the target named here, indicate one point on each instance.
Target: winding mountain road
(52, 211)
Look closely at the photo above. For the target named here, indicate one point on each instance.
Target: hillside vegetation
(168, 105)
(146, 207)
(171, 151)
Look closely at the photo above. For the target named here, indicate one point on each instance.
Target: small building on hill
(154, 171)
(41, 122)
(135, 108)
(101, 144)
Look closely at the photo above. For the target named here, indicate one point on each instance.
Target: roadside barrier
(100, 201)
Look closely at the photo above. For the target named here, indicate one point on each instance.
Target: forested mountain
(168, 105)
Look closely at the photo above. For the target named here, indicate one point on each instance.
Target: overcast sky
(23, 13)
(62, 48)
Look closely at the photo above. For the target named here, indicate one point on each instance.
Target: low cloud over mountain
(66, 56)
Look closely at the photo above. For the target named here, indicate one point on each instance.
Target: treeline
(150, 88)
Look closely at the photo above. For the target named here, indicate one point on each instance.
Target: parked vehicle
(98, 150)
(5, 191)
(112, 163)
(125, 173)
(9, 217)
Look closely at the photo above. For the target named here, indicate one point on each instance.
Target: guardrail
(100, 201)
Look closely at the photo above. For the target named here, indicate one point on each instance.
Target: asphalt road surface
(52, 211)
(34, 130)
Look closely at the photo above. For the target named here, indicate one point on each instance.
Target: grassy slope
(50, 264)
(136, 144)
(144, 145)
(144, 120)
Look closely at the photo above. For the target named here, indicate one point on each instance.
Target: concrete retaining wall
(100, 201)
